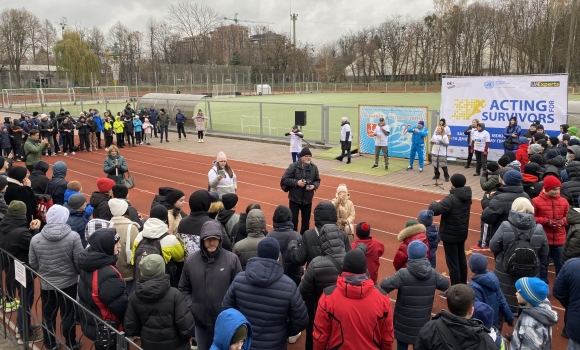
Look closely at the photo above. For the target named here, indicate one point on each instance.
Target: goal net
(308, 87)
(223, 90)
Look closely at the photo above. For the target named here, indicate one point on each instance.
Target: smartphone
(222, 173)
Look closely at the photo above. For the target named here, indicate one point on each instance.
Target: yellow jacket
(171, 248)
(118, 126)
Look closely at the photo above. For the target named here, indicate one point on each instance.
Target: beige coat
(121, 223)
(344, 211)
(173, 222)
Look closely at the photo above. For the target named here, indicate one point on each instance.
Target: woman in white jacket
(222, 178)
(439, 143)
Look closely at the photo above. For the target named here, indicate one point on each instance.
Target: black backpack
(147, 246)
(520, 258)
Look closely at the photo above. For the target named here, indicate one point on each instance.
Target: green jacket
(163, 119)
(33, 150)
(109, 168)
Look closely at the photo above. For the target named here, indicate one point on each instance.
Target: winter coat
(33, 150)
(111, 288)
(138, 125)
(567, 291)
(487, 290)
(15, 191)
(548, 209)
(534, 328)
(572, 245)
(559, 162)
(83, 127)
(93, 124)
(522, 155)
(44, 126)
(5, 140)
(284, 233)
(571, 189)
(500, 205)
(271, 302)
(152, 116)
(77, 222)
(406, 236)
(375, 250)
(416, 285)
(248, 247)
(358, 307)
(322, 272)
(66, 126)
(513, 129)
(15, 239)
(128, 123)
(118, 125)
(38, 181)
(100, 202)
(122, 224)
(223, 186)
(532, 185)
(241, 234)
(228, 322)
(501, 241)
(203, 272)
(294, 173)
(489, 182)
(57, 185)
(229, 219)
(115, 173)
(455, 211)
(163, 120)
(54, 253)
(171, 248)
(434, 239)
(180, 118)
(159, 315)
(200, 122)
(344, 211)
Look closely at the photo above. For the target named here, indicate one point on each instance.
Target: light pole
(62, 25)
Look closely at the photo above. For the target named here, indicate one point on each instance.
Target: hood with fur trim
(411, 231)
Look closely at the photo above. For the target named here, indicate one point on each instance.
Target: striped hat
(532, 289)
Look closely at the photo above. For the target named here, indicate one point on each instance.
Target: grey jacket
(256, 228)
(534, 328)
(54, 254)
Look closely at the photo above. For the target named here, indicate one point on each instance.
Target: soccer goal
(308, 87)
(223, 90)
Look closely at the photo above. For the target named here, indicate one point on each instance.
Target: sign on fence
(399, 119)
(20, 272)
(494, 100)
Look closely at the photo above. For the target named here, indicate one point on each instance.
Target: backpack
(44, 202)
(105, 338)
(283, 186)
(147, 246)
(520, 258)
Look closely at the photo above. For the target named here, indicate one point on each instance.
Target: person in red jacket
(354, 314)
(412, 232)
(522, 153)
(550, 211)
(375, 248)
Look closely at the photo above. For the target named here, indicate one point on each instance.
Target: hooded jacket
(500, 205)
(284, 233)
(44, 126)
(83, 127)
(455, 211)
(118, 125)
(567, 291)
(241, 226)
(295, 172)
(248, 247)
(434, 239)
(571, 189)
(77, 222)
(532, 185)
(203, 272)
(16, 191)
(57, 185)
(534, 328)
(271, 302)
(572, 245)
(228, 218)
(522, 155)
(100, 202)
(546, 211)
(180, 117)
(152, 116)
(171, 248)
(375, 250)
(416, 285)
(159, 315)
(227, 324)
(489, 182)
(406, 236)
(127, 240)
(488, 291)
(38, 179)
(15, 239)
(163, 119)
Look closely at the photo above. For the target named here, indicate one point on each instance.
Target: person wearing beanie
(418, 132)
(563, 145)
(555, 159)
(115, 165)
(18, 189)
(512, 134)
(100, 258)
(122, 192)
(180, 120)
(295, 142)
(533, 329)
(77, 219)
(301, 180)
(222, 178)
(344, 211)
(381, 134)
(550, 210)
(472, 128)
(439, 143)
(232, 331)
(454, 225)
(375, 248)
(416, 285)
(54, 254)
(342, 305)
(487, 289)
(272, 301)
(158, 312)
(410, 233)
(484, 313)
(284, 233)
(425, 217)
(100, 199)
(571, 189)
(345, 139)
(480, 141)
(553, 142)
(227, 216)
(563, 131)
(531, 131)
(534, 149)
(531, 180)
(256, 228)
(174, 201)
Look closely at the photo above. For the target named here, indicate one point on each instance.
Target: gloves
(287, 134)
(485, 153)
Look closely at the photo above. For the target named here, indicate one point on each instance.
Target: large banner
(494, 100)
(397, 118)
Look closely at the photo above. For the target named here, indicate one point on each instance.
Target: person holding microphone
(382, 133)
(439, 143)
(417, 144)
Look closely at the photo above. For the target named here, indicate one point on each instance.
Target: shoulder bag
(128, 181)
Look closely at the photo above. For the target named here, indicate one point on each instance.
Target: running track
(387, 209)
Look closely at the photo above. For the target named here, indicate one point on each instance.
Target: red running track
(386, 208)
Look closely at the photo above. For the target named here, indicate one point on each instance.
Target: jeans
(52, 302)
(29, 300)
(572, 345)
(163, 129)
(456, 262)
(204, 338)
(347, 151)
(305, 210)
(418, 150)
(402, 346)
(50, 147)
(385, 150)
(181, 129)
(481, 160)
(295, 156)
(554, 252)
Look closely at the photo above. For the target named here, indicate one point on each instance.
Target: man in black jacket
(284, 233)
(571, 189)
(127, 120)
(38, 179)
(45, 128)
(454, 210)
(302, 179)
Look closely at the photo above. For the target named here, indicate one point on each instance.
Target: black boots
(445, 174)
(348, 161)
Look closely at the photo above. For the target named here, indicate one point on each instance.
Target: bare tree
(16, 26)
(48, 39)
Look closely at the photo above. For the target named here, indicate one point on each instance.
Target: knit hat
(103, 240)
(503, 161)
(355, 261)
(159, 212)
(532, 169)
(425, 217)
(532, 289)
(221, 157)
(269, 248)
(104, 184)
(537, 158)
(229, 200)
(522, 205)
(510, 155)
(40, 165)
(458, 180)
(3, 182)
(173, 196)
(76, 201)
(551, 182)
(554, 140)
(512, 178)
(410, 223)
(118, 207)
(484, 313)
(343, 119)
(535, 148)
(214, 197)
(416, 250)
(523, 140)
(18, 173)
(421, 123)
(151, 266)
(16, 208)
(341, 188)
(539, 127)
(57, 214)
(240, 334)
(493, 166)
(552, 153)
(305, 152)
(477, 263)
(573, 142)
(282, 214)
(363, 230)
(565, 137)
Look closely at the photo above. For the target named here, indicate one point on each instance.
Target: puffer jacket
(284, 233)
(567, 291)
(54, 253)
(455, 211)
(416, 285)
(171, 248)
(534, 327)
(203, 272)
(572, 245)
(241, 233)
(77, 222)
(375, 250)
(489, 182)
(44, 126)
(532, 185)
(159, 315)
(434, 239)
(122, 225)
(57, 185)
(111, 288)
(488, 291)
(500, 205)
(571, 189)
(228, 322)
(115, 173)
(546, 211)
(522, 155)
(559, 162)
(504, 237)
(406, 236)
(295, 172)
(322, 272)
(256, 228)
(100, 202)
(163, 119)
(38, 179)
(15, 239)
(271, 302)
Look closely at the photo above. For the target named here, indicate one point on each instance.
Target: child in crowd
(345, 213)
(138, 125)
(484, 313)
(426, 218)
(375, 248)
(5, 141)
(75, 187)
(77, 219)
(147, 129)
(413, 231)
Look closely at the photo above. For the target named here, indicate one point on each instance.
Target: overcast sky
(318, 20)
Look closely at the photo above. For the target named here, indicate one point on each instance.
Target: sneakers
(294, 338)
(199, 141)
(73, 153)
(476, 174)
(420, 170)
(65, 154)
(375, 166)
(443, 295)
(33, 337)
(11, 306)
(409, 168)
(202, 141)
(53, 154)
(386, 167)
(179, 140)
(477, 248)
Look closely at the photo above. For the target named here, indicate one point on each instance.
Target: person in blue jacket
(138, 125)
(230, 328)
(418, 144)
(512, 133)
(567, 291)
(153, 113)
(180, 120)
(425, 217)
(100, 127)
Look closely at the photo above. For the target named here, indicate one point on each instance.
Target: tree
(16, 28)
(75, 56)
(48, 38)
(236, 58)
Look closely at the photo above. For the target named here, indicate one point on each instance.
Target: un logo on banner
(489, 84)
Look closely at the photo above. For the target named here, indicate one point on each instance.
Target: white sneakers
(294, 338)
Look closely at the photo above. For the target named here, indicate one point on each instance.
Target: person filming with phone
(222, 178)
